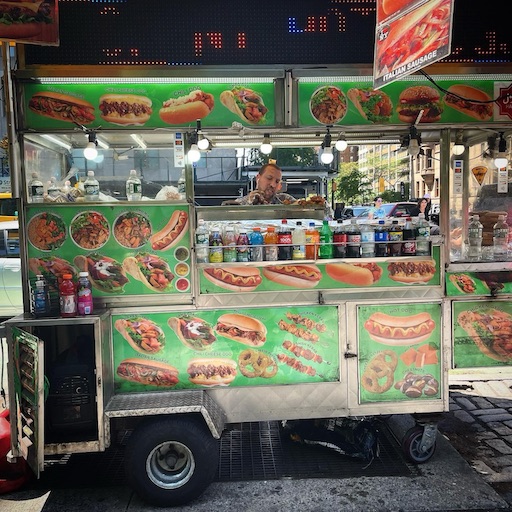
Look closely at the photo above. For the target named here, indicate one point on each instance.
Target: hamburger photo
(419, 97)
(23, 19)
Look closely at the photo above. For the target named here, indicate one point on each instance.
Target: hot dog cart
(177, 363)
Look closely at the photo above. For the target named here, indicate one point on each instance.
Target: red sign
(504, 101)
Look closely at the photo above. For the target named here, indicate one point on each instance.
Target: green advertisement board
(478, 283)
(249, 347)
(482, 333)
(400, 354)
(119, 245)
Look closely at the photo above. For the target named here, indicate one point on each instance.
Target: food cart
(229, 342)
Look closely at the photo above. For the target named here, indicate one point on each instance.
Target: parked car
(402, 209)
(11, 292)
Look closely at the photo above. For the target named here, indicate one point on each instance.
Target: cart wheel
(171, 461)
(411, 445)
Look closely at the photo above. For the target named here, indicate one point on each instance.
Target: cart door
(28, 395)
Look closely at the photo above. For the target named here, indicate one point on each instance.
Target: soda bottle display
(339, 239)
(202, 242)
(229, 243)
(67, 296)
(353, 240)
(475, 235)
(409, 234)
(367, 241)
(500, 238)
(242, 246)
(299, 242)
(396, 237)
(381, 239)
(271, 251)
(133, 187)
(422, 236)
(84, 294)
(326, 247)
(284, 240)
(36, 189)
(256, 245)
(312, 242)
(216, 254)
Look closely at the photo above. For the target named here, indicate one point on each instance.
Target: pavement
(471, 470)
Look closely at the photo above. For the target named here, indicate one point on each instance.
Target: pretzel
(379, 374)
(253, 363)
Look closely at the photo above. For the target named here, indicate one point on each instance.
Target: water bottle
(500, 238)
(215, 254)
(475, 234)
(36, 189)
(53, 189)
(367, 241)
(396, 237)
(202, 242)
(299, 242)
(353, 240)
(182, 184)
(91, 187)
(409, 234)
(270, 239)
(84, 294)
(256, 245)
(284, 240)
(133, 187)
(339, 239)
(40, 298)
(242, 246)
(229, 243)
(422, 236)
(381, 239)
(326, 250)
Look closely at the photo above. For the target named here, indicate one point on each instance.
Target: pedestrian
(377, 211)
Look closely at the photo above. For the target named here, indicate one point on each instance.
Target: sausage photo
(399, 330)
(237, 279)
(469, 100)
(171, 233)
(212, 371)
(62, 107)
(299, 276)
(186, 109)
(147, 372)
(412, 271)
(125, 109)
(242, 328)
(22, 20)
(357, 274)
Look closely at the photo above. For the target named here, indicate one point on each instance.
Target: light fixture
(91, 151)
(56, 140)
(139, 140)
(341, 144)
(266, 146)
(458, 147)
(326, 156)
(203, 143)
(501, 159)
(102, 144)
(414, 142)
(193, 153)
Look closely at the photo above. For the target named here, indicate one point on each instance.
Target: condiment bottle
(84, 294)
(67, 296)
(271, 252)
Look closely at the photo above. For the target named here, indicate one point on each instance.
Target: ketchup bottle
(67, 296)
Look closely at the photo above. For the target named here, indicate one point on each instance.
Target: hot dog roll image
(171, 233)
(412, 271)
(299, 276)
(24, 19)
(237, 279)
(470, 101)
(245, 103)
(186, 109)
(212, 371)
(148, 372)
(125, 109)
(357, 274)
(399, 330)
(242, 328)
(62, 107)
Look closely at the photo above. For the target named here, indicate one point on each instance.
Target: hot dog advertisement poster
(249, 347)
(482, 333)
(320, 102)
(399, 350)
(126, 250)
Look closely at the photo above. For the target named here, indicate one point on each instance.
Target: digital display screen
(266, 32)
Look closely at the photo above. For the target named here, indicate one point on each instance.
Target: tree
(350, 184)
(285, 157)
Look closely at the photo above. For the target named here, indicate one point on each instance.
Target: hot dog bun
(399, 330)
(349, 274)
(186, 109)
(237, 279)
(63, 107)
(171, 233)
(459, 98)
(412, 271)
(20, 30)
(148, 372)
(299, 276)
(212, 371)
(24, 19)
(125, 109)
(242, 328)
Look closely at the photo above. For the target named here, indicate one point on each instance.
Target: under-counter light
(56, 140)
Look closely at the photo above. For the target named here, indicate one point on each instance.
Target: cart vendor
(268, 185)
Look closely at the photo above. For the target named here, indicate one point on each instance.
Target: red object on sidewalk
(12, 475)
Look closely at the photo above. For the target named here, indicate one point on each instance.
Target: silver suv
(11, 292)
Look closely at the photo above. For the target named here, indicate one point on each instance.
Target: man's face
(269, 183)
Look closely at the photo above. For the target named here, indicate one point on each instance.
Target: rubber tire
(166, 486)
(411, 445)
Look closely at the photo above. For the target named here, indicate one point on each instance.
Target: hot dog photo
(171, 233)
(62, 107)
(299, 276)
(356, 274)
(187, 108)
(24, 20)
(148, 372)
(125, 109)
(470, 101)
(235, 278)
(212, 371)
(412, 271)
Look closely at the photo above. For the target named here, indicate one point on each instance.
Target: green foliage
(350, 186)
(285, 157)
